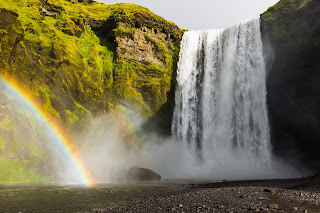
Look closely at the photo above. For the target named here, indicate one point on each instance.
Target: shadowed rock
(142, 174)
(291, 35)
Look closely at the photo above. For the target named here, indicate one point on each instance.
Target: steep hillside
(78, 59)
(291, 34)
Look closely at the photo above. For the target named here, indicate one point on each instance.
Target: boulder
(142, 174)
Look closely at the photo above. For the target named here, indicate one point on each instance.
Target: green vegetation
(285, 16)
(160, 47)
(5, 123)
(22, 148)
(304, 3)
(56, 36)
(282, 13)
(3, 143)
(128, 32)
(13, 171)
(72, 57)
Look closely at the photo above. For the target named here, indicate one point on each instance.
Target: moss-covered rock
(291, 36)
(289, 21)
(89, 54)
(79, 59)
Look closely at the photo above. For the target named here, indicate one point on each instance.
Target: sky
(203, 14)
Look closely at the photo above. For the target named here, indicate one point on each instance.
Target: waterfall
(221, 94)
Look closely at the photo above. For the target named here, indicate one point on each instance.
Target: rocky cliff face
(79, 59)
(291, 34)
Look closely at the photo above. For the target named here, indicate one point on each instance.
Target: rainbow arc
(52, 126)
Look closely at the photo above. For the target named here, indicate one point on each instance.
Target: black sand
(293, 195)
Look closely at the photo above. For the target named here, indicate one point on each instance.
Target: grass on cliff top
(72, 9)
(283, 16)
(41, 29)
(73, 15)
(284, 8)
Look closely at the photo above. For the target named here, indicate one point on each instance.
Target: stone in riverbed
(273, 206)
(142, 174)
(270, 191)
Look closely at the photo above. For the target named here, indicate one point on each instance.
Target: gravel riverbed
(290, 195)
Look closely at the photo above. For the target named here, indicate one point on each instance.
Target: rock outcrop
(291, 35)
(142, 174)
(80, 59)
(90, 54)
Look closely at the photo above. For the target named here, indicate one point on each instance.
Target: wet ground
(77, 198)
(291, 195)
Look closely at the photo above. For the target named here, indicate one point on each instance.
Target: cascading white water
(221, 94)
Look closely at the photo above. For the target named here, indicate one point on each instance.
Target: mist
(113, 143)
(111, 146)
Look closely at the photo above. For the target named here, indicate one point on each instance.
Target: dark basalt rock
(291, 37)
(142, 174)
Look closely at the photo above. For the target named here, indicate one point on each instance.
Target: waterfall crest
(221, 94)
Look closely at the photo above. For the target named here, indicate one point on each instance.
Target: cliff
(79, 59)
(291, 35)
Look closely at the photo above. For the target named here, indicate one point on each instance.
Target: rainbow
(55, 130)
(124, 121)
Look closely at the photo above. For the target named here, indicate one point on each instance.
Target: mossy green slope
(24, 146)
(291, 20)
(80, 59)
